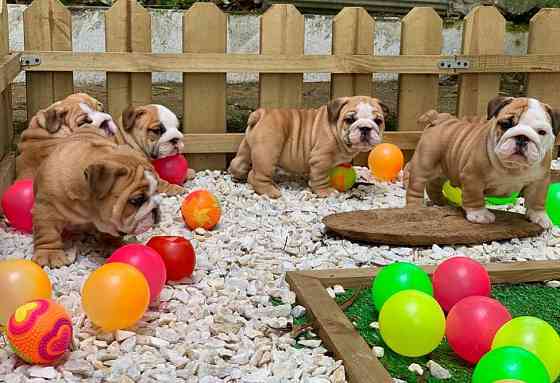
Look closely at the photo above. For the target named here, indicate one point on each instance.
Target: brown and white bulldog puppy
(91, 182)
(308, 142)
(508, 152)
(154, 131)
(58, 121)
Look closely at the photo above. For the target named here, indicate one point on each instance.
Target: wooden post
(282, 32)
(47, 26)
(353, 32)
(6, 129)
(484, 33)
(128, 29)
(421, 34)
(204, 94)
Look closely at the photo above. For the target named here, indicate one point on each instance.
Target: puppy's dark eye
(137, 200)
(505, 124)
(378, 121)
(349, 119)
(86, 120)
(159, 130)
(542, 132)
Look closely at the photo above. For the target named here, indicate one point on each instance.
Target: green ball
(510, 363)
(455, 196)
(398, 277)
(343, 177)
(508, 200)
(553, 203)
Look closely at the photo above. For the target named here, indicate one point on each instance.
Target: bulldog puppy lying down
(153, 130)
(308, 142)
(509, 152)
(58, 121)
(91, 182)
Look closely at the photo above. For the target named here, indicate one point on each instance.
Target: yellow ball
(453, 194)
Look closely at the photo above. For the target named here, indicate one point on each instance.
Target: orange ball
(40, 331)
(201, 209)
(385, 162)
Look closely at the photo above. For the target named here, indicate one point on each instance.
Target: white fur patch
(364, 111)
(153, 182)
(98, 118)
(165, 145)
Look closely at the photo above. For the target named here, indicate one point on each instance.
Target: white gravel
(221, 325)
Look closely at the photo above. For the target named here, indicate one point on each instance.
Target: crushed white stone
(374, 325)
(222, 323)
(379, 351)
(416, 368)
(338, 289)
(331, 292)
(553, 284)
(437, 371)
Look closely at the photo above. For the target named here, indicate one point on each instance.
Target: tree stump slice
(426, 226)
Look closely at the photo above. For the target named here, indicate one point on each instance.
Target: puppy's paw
(480, 216)
(324, 193)
(269, 190)
(540, 218)
(52, 258)
(172, 190)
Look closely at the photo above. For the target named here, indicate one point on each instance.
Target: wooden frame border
(10, 68)
(340, 336)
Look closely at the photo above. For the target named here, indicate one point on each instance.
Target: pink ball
(458, 278)
(148, 261)
(472, 324)
(17, 202)
(172, 169)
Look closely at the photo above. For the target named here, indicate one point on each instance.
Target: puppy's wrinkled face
(85, 98)
(155, 129)
(524, 131)
(359, 121)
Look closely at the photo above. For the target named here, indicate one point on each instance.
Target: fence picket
(282, 32)
(47, 27)
(483, 33)
(204, 94)
(128, 29)
(6, 130)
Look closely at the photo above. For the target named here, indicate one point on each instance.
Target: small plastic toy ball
(472, 324)
(17, 202)
(21, 281)
(115, 296)
(386, 161)
(412, 323)
(148, 261)
(453, 194)
(457, 278)
(201, 209)
(552, 204)
(397, 277)
(510, 363)
(534, 335)
(343, 177)
(177, 254)
(497, 201)
(172, 169)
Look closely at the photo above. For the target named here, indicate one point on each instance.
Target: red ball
(177, 254)
(472, 324)
(17, 202)
(148, 261)
(172, 169)
(458, 278)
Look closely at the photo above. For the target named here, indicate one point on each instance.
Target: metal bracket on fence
(453, 64)
(29, 60)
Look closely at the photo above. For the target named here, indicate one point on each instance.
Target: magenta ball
(172, 169)
(458, 278)
(472, 324)
(148, 261)
(17, 202)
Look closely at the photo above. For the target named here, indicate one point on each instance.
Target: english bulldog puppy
(509, 151)
(154, 131)
(308, 142)
(58, 121)
(90, 182)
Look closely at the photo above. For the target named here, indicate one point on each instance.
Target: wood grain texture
(6, 129)
(128, 29)
(7, 172)
(9, 69)
(204, 94)
(337, 331)
(427, 226)
(47, 27)
(483, 33)
(282, 33)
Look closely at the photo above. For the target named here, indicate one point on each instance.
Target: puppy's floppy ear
(51, 119)
(130, 115)
(496, 104)
(334, 107)
(101, 177)
(554, 119)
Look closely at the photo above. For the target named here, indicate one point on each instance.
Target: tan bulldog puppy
(308, 142)
(154, 131)
(91, 182)
(58, 121)
(508, 152)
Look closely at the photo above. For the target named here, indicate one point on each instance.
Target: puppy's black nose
(174, 141)
(521, 140)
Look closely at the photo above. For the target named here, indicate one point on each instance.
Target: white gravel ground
(221, 326)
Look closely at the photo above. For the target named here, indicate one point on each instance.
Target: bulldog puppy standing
(91, 182)
(154, 131)
(308, 142)
(58, 121)
(509, 152)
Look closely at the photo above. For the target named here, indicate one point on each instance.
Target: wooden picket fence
(48, 62)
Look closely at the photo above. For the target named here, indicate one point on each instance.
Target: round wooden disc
(426, 226)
